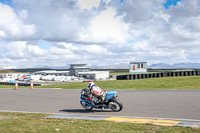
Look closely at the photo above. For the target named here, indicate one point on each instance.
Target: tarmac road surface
(177, 104)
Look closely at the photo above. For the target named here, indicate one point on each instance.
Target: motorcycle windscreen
(110, 95)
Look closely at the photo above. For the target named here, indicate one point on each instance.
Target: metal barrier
(19, 84)
(157, 75)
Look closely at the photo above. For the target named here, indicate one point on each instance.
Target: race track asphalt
(176, 104)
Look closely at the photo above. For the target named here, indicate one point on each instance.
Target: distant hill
(176, 66)
(7, 71)
(153, 66)
(115, 66)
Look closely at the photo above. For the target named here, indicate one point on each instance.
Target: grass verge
(12, 86)
(36, 123)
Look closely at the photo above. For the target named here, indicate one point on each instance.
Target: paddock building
(78, 70)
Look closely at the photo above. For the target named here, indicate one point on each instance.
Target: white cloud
(135, 11)
(21, 50)
(94, 49)
(106, 28)
(54, 21)
(23, 14)
(98, 31)
(68, 45)
(59, 51)
(12, 27)
(185, 8)
(88, 4)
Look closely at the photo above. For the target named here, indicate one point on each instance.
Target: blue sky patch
(44, 44)
(7, 2)
(131, 41)
(170, 2)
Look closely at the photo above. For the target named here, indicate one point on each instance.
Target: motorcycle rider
(96, 92)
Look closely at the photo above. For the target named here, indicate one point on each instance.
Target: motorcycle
(111, 101)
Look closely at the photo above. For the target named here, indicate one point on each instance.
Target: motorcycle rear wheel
(85, 106)
(115, 105)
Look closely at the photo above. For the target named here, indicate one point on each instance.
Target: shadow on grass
(84, 111)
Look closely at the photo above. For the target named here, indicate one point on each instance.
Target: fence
(157, 75)
(19, 84)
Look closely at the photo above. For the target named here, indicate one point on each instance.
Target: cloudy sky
(56, 33)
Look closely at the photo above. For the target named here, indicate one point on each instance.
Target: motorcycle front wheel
(115, 105)
(85, 106)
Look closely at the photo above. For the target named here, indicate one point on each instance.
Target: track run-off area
(160, 107)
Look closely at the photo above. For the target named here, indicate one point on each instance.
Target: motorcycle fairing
(89, 103)
(110, 95)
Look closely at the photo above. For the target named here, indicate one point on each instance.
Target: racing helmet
(90, 85)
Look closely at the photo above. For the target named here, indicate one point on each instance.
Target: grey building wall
(75, 68)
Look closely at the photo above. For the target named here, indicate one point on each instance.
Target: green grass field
(37, 123)
(188, 82)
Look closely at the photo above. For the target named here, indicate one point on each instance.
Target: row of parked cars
(37, 78)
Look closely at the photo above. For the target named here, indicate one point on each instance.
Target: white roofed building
(94, 75)
(78, 70)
